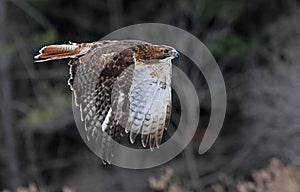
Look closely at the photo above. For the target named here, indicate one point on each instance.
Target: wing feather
(92, 79)
(163, 114)
(142, 97)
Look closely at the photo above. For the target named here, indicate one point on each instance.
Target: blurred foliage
(45, 38)
(227, 10)
(47, 110)
(4, 49)
(236, 46)
(276, 177)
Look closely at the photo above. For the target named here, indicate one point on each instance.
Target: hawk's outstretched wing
(93, 77)
(150, 101)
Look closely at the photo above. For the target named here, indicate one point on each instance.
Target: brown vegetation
(276, 177)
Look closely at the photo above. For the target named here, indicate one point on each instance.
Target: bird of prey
(120, 86)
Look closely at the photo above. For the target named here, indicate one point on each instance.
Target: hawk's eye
(166, 51)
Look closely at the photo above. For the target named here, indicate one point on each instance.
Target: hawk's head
(155, 52)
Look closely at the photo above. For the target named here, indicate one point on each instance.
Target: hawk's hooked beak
(175, 53)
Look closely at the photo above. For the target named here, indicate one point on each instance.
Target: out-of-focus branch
(33, 13)
(6, 112)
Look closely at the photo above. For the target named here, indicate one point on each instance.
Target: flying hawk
(120, 86)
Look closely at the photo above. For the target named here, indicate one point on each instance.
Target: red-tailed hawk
(120, 86)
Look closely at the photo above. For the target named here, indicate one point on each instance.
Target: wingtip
(145, 138)
(132, 138)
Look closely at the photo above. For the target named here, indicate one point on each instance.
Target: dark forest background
(256, 44)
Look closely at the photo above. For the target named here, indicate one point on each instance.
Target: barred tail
(63, 51)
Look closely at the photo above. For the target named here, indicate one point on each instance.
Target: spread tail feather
(63, 51)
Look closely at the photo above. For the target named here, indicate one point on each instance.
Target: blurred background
(257, 46)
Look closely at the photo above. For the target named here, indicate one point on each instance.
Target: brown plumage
(119, 86)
